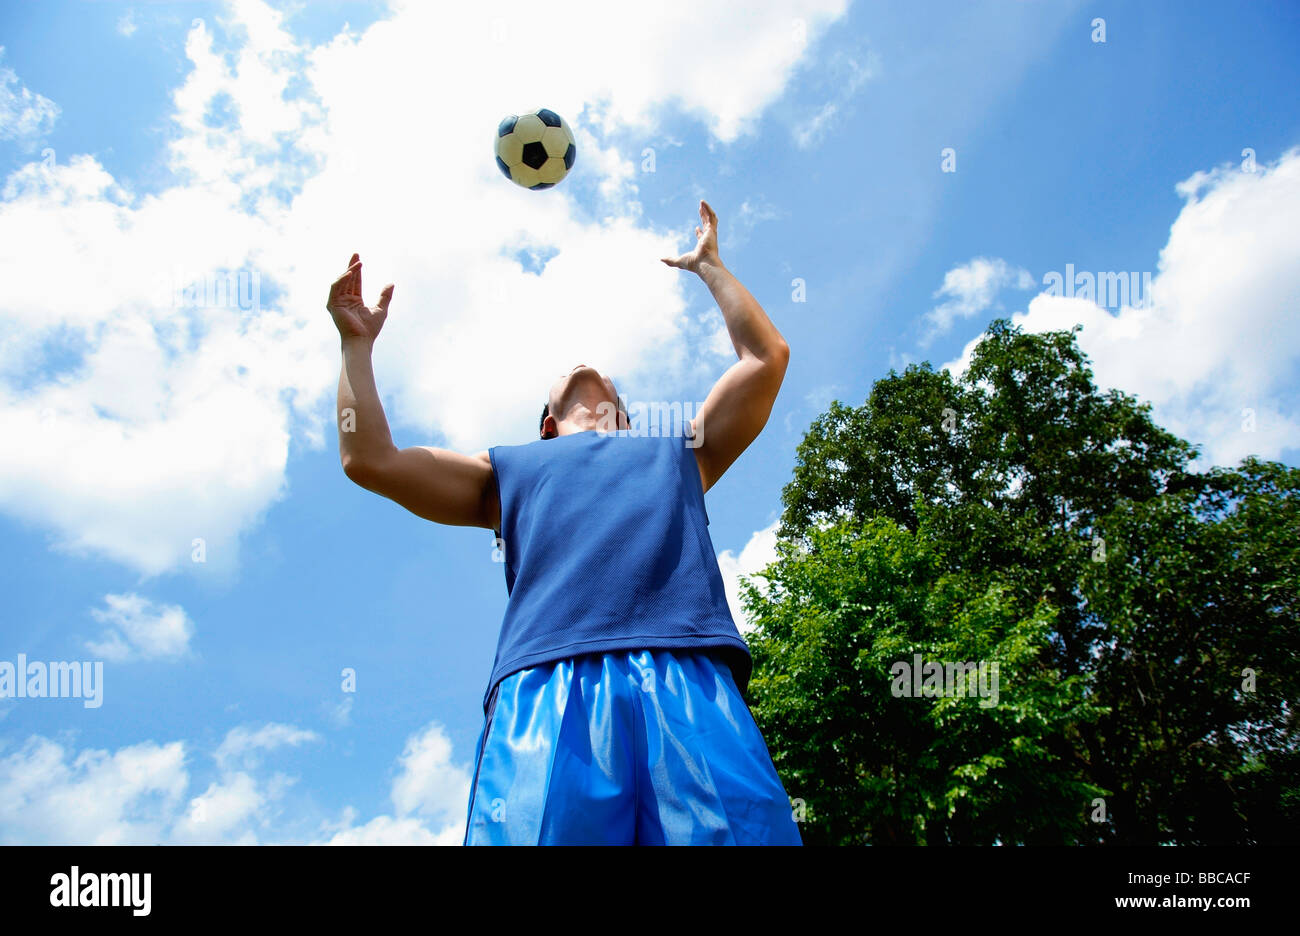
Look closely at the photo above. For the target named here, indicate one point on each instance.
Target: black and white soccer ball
(535, 150)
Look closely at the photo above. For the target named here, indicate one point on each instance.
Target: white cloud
(810, 132)
(159, 426)
(25, 116)
(969, 289)
(429, 784)
(244, 746)
(744, 70)
(340, 715)
(385, 830)
(138, 629)
(141, 794)
(49, 795)
(842, 75)
(735, 231)
(225, 809)
(126, 24)
(1217, 336)
(430, 795)
(756, 555)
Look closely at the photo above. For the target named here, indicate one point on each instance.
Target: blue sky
(146, 146)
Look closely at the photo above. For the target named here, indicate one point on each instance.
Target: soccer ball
(535, 150)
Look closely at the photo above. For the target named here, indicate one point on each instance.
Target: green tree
(1020, 516)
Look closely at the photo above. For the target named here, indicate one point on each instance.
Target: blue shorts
(645, 747)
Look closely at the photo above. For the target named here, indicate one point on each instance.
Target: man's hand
(706, 246)
(350, 314)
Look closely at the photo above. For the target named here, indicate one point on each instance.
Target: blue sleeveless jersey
(606, 546)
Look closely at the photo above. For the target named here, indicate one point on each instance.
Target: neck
(580, 418)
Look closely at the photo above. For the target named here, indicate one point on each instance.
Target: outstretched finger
(356, 279)
(385, 297)
(347, 275)
(712, 216)
(340, 286)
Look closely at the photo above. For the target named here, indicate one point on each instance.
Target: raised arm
(738, 406)
(436, 484)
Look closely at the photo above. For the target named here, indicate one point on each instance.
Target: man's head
(580, 400)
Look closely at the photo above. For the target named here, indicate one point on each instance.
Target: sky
(285, 657)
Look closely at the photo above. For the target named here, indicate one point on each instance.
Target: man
(614, 713)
